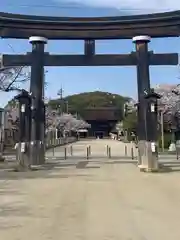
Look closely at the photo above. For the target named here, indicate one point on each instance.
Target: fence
(53, 143)
(59, 142)
(125, 153)
(69, 149)
(80, 151)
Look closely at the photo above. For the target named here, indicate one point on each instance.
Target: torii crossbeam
(93, 60)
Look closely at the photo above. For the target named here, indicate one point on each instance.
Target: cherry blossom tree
(169, 104)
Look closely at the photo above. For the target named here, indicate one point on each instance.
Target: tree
(11, 78)
(130, 122)
(169, 104)
(80, 102)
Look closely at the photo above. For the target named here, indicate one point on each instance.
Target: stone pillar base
(37, 151)
(145, 169)
(148, 159)
(22, 157)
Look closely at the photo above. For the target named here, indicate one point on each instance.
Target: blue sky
(120, 80)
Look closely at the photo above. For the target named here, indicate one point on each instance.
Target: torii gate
(38, 58)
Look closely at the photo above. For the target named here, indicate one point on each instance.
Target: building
(102, 120)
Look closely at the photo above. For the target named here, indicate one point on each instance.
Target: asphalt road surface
(90, 200)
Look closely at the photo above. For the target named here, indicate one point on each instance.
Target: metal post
(146, 160)
(87, 153)
(177, 154)
(36, 89)
(132, 153)
(65, 153)
(125, 150)
(89, 150)
(53, 150)
(109, 151)
(71, 150)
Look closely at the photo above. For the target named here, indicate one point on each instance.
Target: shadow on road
(40, 174)
(56, 169)
(169, 167)
(67, 168)
(82, 164)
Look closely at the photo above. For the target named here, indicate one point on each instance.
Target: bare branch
(10, 76)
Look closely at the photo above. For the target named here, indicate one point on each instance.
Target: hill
(79, 102)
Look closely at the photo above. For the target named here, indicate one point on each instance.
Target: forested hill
(79, 102)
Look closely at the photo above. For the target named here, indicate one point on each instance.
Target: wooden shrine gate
(31, 142)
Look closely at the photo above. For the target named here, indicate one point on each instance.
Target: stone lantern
(22, 146)
(152, 128)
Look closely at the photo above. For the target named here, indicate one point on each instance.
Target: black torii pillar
(147, 160)
(37, 107)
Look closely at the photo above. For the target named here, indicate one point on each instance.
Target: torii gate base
(147, 116)
(147, 162)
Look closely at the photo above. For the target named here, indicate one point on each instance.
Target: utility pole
(63, 103)
(162, 129)
(67, 107)
(2, 122)
(60, 94)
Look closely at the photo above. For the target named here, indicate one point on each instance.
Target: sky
(120, 80)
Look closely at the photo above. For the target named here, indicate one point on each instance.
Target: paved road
(90, 200)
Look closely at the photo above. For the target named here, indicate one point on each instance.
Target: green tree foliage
(167, 140)
(80, 102)
(130, 121)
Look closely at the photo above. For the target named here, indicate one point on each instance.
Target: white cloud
(151, 5)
